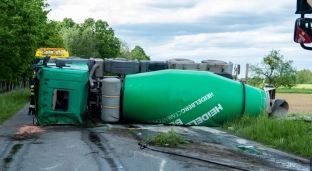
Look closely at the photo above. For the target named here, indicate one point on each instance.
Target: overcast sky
(240, 31)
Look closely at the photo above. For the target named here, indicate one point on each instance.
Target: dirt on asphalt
(200, 150)
(27, 132)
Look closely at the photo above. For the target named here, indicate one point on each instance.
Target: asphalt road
(30, 148)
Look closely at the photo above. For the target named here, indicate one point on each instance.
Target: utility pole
(237, 71)
(246, 76)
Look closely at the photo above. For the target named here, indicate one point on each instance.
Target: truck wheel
(180, 60)
(213, 62)
(120, 59)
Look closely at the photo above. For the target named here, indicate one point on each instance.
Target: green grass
(12, 102)
(299, 88)
(294, 90)
(294, 136)
(304, 86)
(171, 139)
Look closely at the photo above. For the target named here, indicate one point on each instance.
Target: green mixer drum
(184, 97)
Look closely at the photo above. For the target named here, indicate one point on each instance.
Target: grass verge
(171, 139)
(294, 136)
(294, 90)
(12, 102)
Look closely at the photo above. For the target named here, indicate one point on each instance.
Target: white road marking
(53, 167)
(162, 165)
(163, 161)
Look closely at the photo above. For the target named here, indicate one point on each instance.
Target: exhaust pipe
(275, 107)
(92, 86)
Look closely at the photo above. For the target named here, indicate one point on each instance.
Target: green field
(294, 90)
(304, 86)
(299, 88)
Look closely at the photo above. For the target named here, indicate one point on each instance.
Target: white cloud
(251, 37)
(142, 11)
(241, 31)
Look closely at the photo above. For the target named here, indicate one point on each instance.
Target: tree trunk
(7, 87)
(24, 82)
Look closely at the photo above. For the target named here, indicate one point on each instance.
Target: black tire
(180, 61)
(120, 59)
(213, 62)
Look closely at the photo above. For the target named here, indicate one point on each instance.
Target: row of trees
(277, 71)
(89, 39)
(304, 77)
(95, 39)
(24, 27)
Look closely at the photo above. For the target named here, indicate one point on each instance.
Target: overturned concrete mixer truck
(177, 91)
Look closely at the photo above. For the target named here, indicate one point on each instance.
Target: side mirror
(304, 7)
(303, 31)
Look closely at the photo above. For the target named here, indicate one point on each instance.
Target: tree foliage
(90, 38)
(23, 28)
(139, 54)
(124, 50)
(304, 77)
(136, 53)
(51, 38)
(71, 38)
(275, 70)
(67, 23)
(256, 81)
